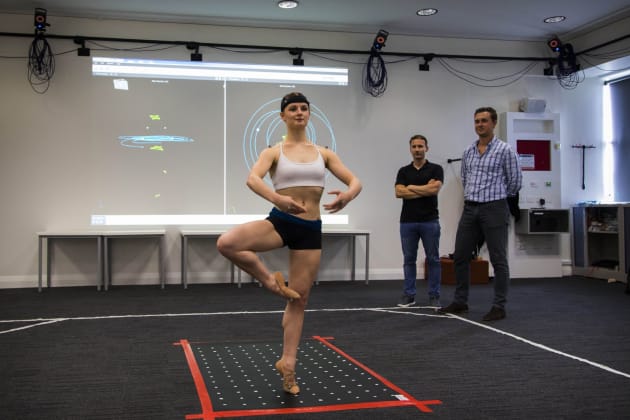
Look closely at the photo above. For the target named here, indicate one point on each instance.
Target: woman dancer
(297, 169)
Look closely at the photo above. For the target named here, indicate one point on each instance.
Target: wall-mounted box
(543, 221)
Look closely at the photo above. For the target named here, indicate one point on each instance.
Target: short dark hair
(419, 136)
(293, 97)
(489, 109)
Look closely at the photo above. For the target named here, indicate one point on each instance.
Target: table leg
(353, 240)
(48, 262)
(367, 258)
(184, 246)
(99, 262)
(39, 263)
(106, 267)
(161, 261)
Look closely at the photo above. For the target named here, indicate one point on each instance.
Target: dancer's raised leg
(241, 245)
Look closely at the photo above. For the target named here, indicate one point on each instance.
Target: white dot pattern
(242, 376)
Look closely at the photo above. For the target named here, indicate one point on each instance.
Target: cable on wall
(567, 69)
(375, 75)
(41, 63)
(143, 48)
(570, 79)
(41, 59)
(600, 68)
(498, 81)
(374, 72)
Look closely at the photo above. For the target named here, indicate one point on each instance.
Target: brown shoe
(288, 379)
(284, 290)
(495, 314)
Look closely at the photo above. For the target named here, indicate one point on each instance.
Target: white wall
(46, 161)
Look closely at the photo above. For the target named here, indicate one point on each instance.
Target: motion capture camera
(39, 20)
(379, 40)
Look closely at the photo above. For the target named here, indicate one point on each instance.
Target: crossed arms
(415, 191)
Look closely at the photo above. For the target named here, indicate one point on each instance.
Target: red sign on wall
(534, 155)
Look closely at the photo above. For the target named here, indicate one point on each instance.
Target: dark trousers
(483, 220)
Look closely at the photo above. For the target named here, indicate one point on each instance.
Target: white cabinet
(536, 138)
(533, 250)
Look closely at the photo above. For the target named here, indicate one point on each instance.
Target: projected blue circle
(265, 128)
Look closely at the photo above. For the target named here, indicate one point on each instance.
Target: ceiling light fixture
(554, 19)
(288, 4)
(426, 12)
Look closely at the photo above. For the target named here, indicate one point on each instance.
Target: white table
(103, 239)
(108, 236)
(185, 235)
(47, 237)
(352, 234)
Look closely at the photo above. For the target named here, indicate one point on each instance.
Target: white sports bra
(297, 174)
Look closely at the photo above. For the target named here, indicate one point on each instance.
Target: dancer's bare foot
(288, 379)
(283, 290)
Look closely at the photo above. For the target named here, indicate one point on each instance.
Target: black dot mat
(242, 376)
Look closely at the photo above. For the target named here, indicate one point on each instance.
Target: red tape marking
(422, 405)
(207, 412)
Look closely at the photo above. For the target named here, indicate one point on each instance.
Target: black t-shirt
(421, 209)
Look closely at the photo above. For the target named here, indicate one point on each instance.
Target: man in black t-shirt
(418, 185)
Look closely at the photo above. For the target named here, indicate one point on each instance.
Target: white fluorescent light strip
(608, 167)
(218, 74)
(194, 219)
(218, 71)
(219, 65)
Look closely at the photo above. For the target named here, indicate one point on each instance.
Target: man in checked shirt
(490, 174)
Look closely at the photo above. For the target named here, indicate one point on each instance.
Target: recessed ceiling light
(426, 12)
(554, 19)
(288, 4)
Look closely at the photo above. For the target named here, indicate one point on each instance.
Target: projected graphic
(265, 128)
(173, 141)
(253, 124)
(153, 142)
(140, 142)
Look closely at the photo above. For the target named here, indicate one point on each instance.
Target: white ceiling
(481, 19)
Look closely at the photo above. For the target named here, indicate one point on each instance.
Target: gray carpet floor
(563, 352)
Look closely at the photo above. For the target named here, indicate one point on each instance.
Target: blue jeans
(410, 236)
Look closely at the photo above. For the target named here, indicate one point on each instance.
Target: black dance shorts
(296, 233)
